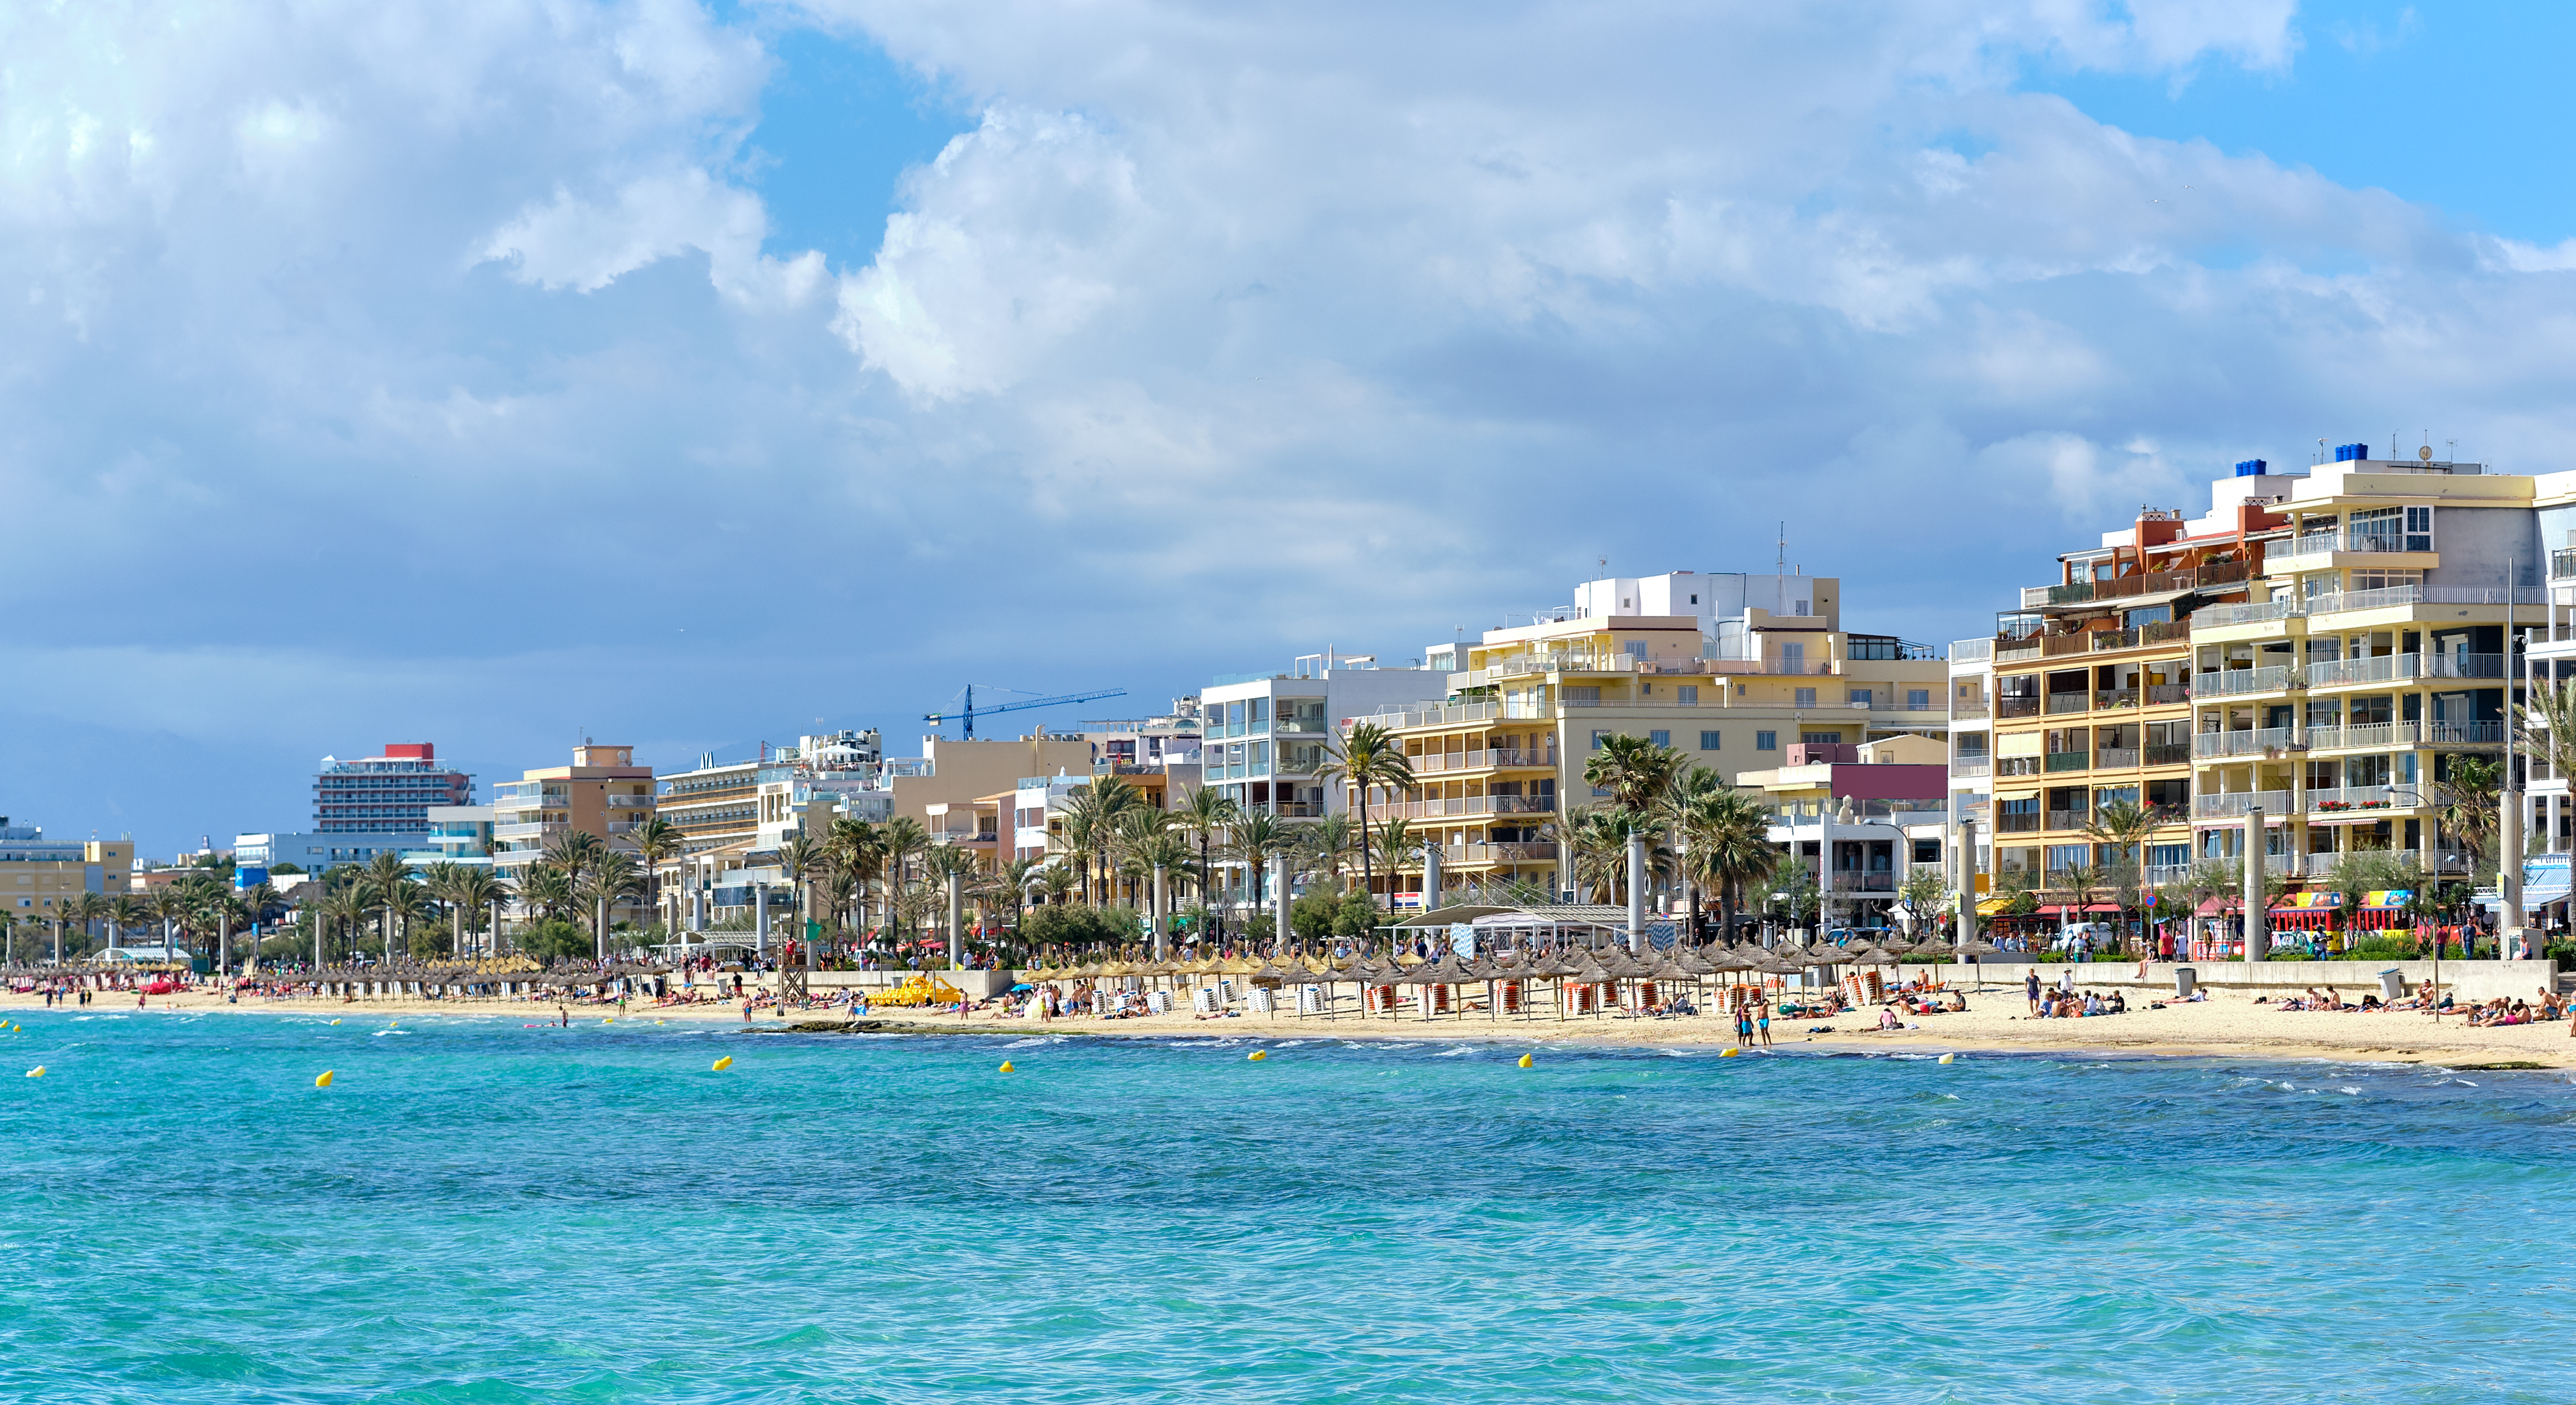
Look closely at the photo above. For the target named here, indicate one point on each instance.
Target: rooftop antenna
(1780, 572)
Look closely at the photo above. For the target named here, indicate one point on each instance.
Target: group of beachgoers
(2496, 1013)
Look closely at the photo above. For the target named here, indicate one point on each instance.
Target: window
(1806, 697)
(2062, 857)
(1694, 599)
(1918, 700)
(1800, 609)
(1660, 738)
(1596, 739)
(1766, 741)
(1708, 741)
(1793, 658)
(1860, 697)
(1688, 693)
(1828, 738)
(2419, 529)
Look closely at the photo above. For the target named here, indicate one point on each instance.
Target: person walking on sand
(2030, 987)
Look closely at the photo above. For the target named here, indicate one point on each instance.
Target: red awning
(2065, 909)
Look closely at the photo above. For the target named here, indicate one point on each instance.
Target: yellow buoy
(1256, 1056)
(608, 1021)
(724, 1063)
(1006, 1067)
(1525, 1060)
(37, 1072)
(1728, 1053)
(324, 1081)
(335, 1022)
(1945, 1058)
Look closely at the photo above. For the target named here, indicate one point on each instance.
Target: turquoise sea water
(478, 1211)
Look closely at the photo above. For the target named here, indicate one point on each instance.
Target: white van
(2092, 936)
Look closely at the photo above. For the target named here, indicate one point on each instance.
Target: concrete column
(1279, 898)
(1636, 894)
(1967, 917)
(223, 944)
(957, 918)
(1431, 872)
(760, 919)
(599, 927)
(2258, 912)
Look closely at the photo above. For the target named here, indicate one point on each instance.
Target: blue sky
(495, 373)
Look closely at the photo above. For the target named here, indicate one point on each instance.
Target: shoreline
(2221, 1027)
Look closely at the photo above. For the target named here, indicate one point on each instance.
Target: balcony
(2107, 698)
(2236, 682)
(1852, 880)
(2388, 736)
(1970, 768)
(2007, 708)
(2252, 612)
(1972, 650)
(2167, 753)
(2159, 875)
(502, 832)
(629, 802)
(2069, 760)
(2017, 822)
(1508, 852)
(2130, 587)
(2116, 758)
(2562, 564)
(1532, 758)
(2229, 807)
(2166, 694)
(2254, 742)
(2401, 668)
(2362, 797)
(2069, 819)
(1465, 806)
(1968, 712)
(2068, 702)
(2017, 766)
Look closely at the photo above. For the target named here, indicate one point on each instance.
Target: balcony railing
(2164, 694)
(2158, 875)
(1966, 768)
(2383, 736)
(1465, 806)
(1971, 650)
(2399, 668)
(2236, 681)
(2106, 698)
(2069, 760)
(2562, 564)
(1968, 712)
(1436, 761)
(1508, 852)
(2228, 807)
(2025, 706)
(2017, 822)
(2069, 819)
(2167, 753)
(2252, 612)
(2254, 742)
(2068, 702)
(2115, 758)
(2150, 583)
(2362, 797)
(2017, 766)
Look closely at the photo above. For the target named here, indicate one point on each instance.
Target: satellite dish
(2425, 454)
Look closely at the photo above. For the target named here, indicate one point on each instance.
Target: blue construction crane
(971, 711)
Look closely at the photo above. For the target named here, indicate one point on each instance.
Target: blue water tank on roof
(2351, 453)
(2250, 468)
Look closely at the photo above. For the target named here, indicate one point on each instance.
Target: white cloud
(441, 364)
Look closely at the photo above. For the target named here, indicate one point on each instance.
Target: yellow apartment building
(1687, 660)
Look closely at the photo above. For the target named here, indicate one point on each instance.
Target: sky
(503, 372)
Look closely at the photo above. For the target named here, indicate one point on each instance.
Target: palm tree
(1091, 815)
(126, 912)
(388, 880)
(1057, 882)
(2469, 803)
(1258, 838)
(1369, 758)
(1635, 771)
(1403, 846)
(1137, 827)
(398, 903)
(898, 839)
(479, 890)
(613, 877)
(257, 901)
(1597, 838)
(1206, 811)
(2123, 827)
(168, 905)
(575, 852)
(89, 908)
(1729, 839)
(858, 848)
(547, 889)
(1328, 841)
(1012, 883)
(348, 905)
(942, 862)
(656, 839)
(800, 858)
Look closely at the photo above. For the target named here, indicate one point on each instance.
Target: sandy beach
(1994, 1022)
